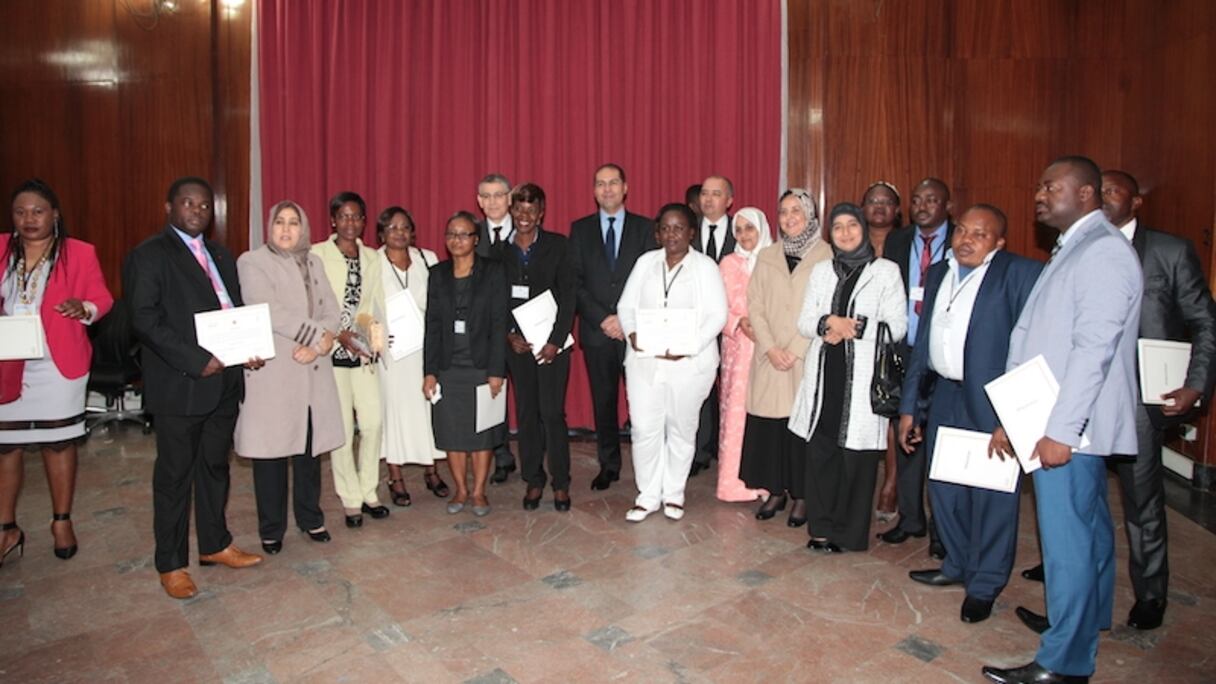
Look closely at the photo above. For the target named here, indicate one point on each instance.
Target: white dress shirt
(719, 235)
(952, 318)
(505, 233)
(1129, 229)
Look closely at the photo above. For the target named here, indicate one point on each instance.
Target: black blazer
(549, 268)
(728, 246)
(484, 247)
(598, 288)
(1177, 301)
(486, 324)
(165, 288)
(898, 248)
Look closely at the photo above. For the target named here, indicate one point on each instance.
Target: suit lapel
(1140, 241)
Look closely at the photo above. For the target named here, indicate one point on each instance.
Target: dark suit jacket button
(316, 367)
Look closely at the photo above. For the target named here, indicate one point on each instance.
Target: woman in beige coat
(290, 412)
(773, 458)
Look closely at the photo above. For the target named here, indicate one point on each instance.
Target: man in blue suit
(973, 299)
(1083, 317)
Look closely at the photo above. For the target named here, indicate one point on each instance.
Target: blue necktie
(610, 244)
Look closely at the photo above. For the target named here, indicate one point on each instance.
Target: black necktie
(497, 234)
(610, 244)
(711, 247)
(1055, 250)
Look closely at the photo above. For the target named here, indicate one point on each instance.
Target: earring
(56, 226)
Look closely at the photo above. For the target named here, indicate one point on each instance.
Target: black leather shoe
(501, 473)
(697, 467)
(1033, 673)
(531, 503)
(975, 610)
(320, 536)
(824, 546)
(937, 550)
(1034, 574)
(896, 535)
(377, 512)
(1146, 614)
(934, 578)
(604, 479)
(561, 500)
(272, 547)
(769, 508)
(353, 521)
(1035, 622)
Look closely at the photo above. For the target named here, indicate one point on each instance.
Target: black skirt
(773, 457)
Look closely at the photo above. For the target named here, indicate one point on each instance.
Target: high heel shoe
(797, 520)
(19, 546)
(770, 507)
(400, 498)
(69, 551)
(436, 485)
(272, 546)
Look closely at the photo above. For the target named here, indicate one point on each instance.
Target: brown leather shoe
(232, 557)
(178, 584)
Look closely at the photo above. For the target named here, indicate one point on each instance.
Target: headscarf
(298, 252)
(755, 217)
(847, 262)
(800, 244)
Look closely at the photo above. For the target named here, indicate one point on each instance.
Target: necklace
(27, 281)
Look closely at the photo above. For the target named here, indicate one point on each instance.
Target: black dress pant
(707, 429)
(840, 492)
(605, 369)
(540, 410)
(192, 458)
(270, 491)
(1142, 482)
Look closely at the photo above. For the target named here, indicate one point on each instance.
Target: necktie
(1055, 250)
(926, 257)
(711, 247)
(196, 246)
(610, 244)
(497, 234)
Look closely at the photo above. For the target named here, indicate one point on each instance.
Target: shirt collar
(1129, 229)
(619, 215)
(1073, 228)
(938, 232)
(186, 237)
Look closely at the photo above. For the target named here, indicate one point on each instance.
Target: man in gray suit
(1082, 316)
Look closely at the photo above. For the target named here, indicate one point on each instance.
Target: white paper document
(1023, 399)
(536, 318)
(491, 411)
(236, 335)
(406, 326)
(961, 457)
(1163, 365)
(21, 338)
(667, 331)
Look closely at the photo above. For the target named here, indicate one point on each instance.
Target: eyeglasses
(881, 202)
(350, 218)
(459, 237)
(398, 228)
(492, 195)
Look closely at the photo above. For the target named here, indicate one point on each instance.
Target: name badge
(519, 292)
(459, 327)
(917, 294)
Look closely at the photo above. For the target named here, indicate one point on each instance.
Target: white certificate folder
(1024, 399)
(1163, 366)
(236, 335)
(491, 411)
(961, 457)
(536, 318)
(21, 338)
(405, 324)
(667, 331)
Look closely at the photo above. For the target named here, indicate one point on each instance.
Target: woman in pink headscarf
(738, 342)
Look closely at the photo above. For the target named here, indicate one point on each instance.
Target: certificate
(236, 335)
(536, 318)
(1023, 399)
(1163, 366)
(21, 338)
(667, 331)
(491, 411)
(405, 325)
(961, 457)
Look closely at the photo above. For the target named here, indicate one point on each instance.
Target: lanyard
(405, 284)
(668, 283)
(955, 291)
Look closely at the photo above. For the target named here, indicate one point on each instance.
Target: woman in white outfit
(408, 438)
(666, 389)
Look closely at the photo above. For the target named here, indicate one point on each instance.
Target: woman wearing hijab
(773, 458)
(738, 341)
(846, 300)
(291, 412)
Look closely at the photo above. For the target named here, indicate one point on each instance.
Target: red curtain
(411, 103)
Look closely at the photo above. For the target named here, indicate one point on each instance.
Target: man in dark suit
(716, 239)
(1176, 301)
(167, 279)
(972, 301)
(603, 248)
(915, 250)
(494, 199)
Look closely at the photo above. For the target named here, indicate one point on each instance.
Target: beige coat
(774, 300)
(274, 415)
(334, 262)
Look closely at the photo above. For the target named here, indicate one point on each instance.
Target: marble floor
(531, 597)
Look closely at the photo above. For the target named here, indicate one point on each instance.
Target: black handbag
(888, 379)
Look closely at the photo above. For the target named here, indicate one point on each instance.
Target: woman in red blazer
(49, 275)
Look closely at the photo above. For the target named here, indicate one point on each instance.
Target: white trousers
(665, 400)
(358, 394)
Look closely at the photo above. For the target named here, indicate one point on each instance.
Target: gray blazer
(1083, 316)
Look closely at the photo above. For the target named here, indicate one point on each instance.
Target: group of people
(767, 364)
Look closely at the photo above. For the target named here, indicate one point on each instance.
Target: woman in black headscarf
(846, 300)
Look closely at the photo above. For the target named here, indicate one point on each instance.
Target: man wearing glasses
(494, 198)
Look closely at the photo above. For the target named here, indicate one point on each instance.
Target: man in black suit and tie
(194, 399)
(1177, 301)
(715, 239)
(604, 247)
(915, 249)
(494, 198)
